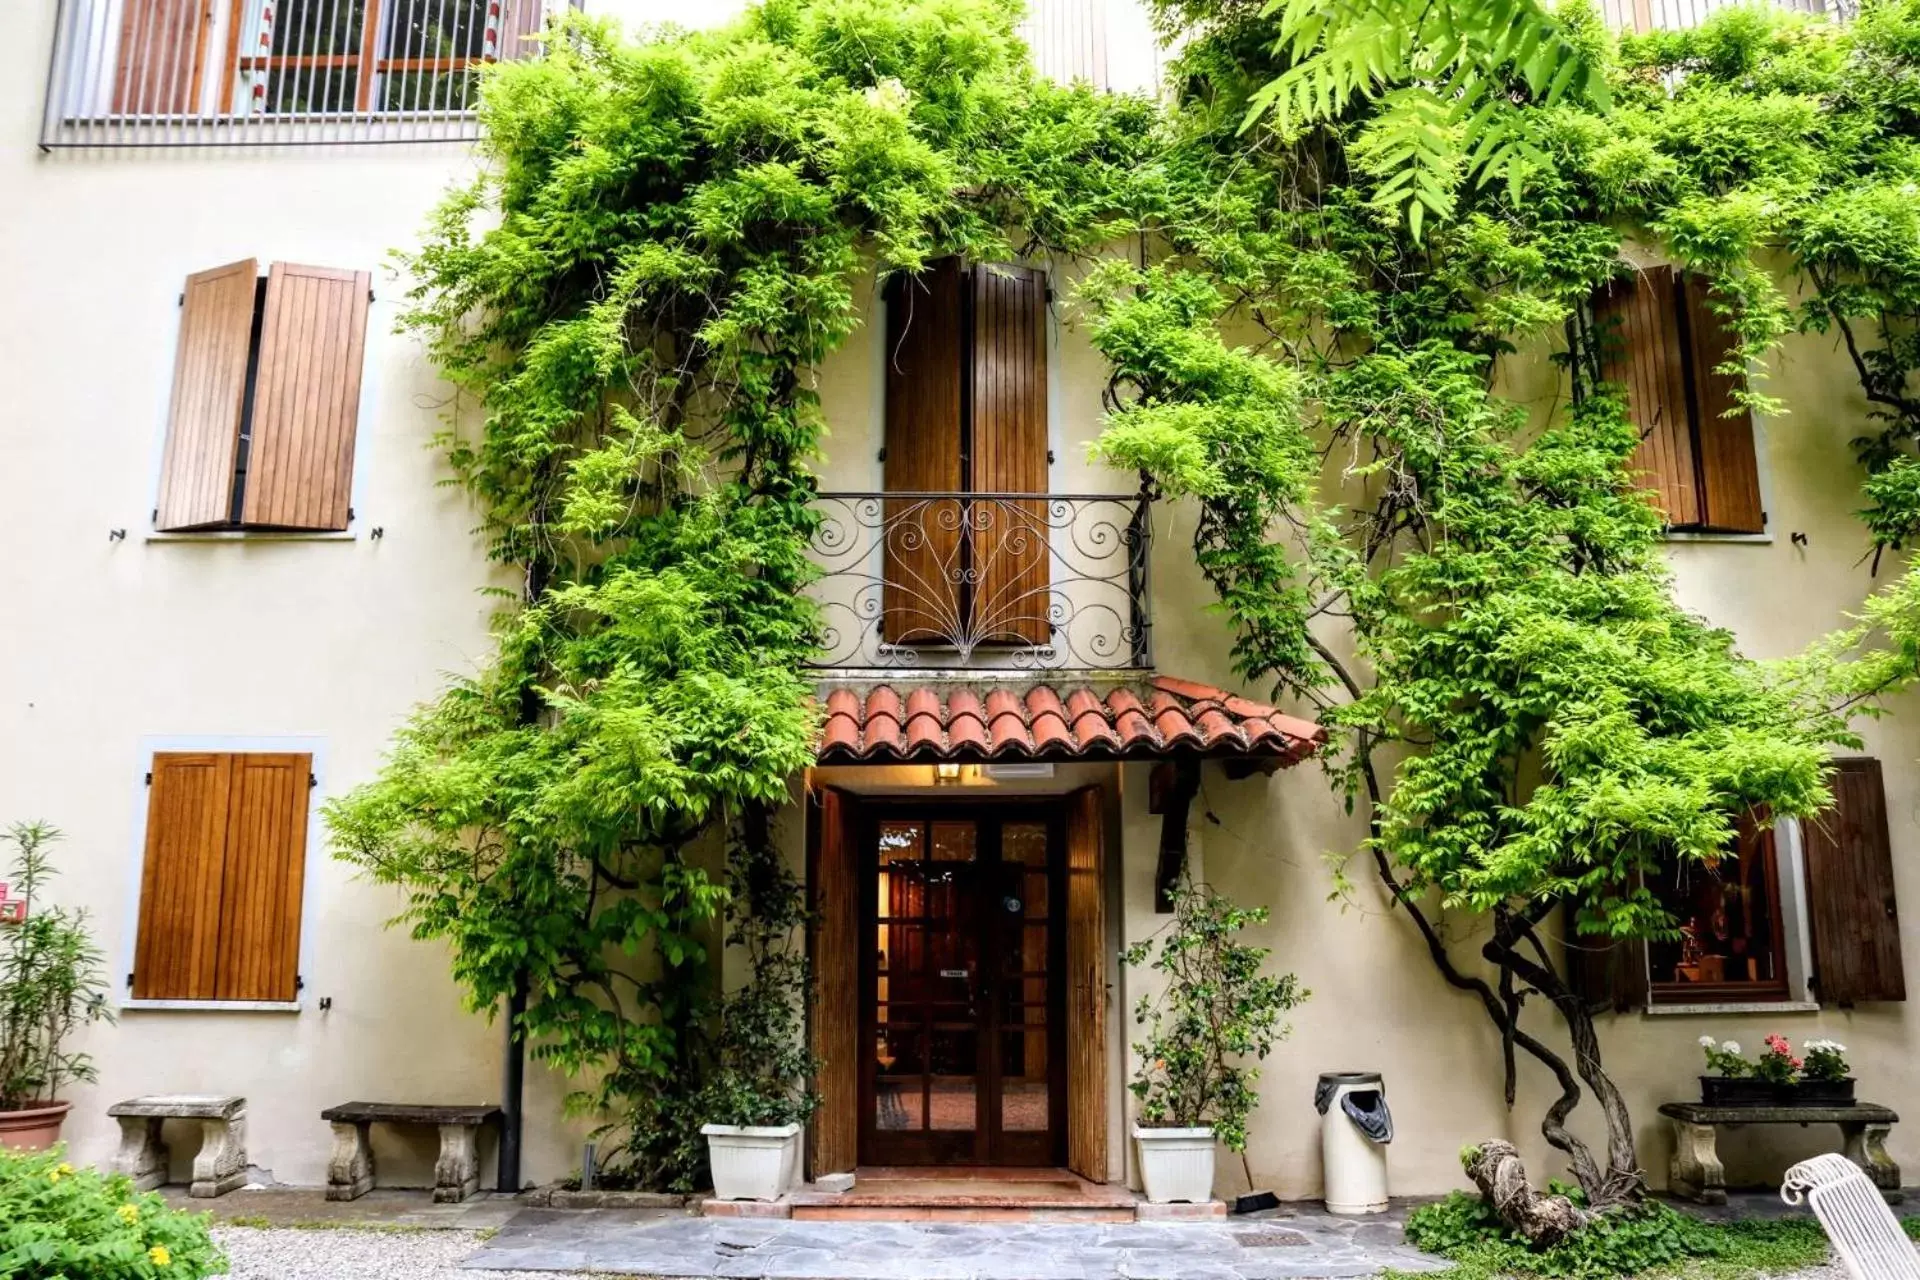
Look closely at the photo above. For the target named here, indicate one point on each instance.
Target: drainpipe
(512, 1087)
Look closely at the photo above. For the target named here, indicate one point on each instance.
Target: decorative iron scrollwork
(982, 580)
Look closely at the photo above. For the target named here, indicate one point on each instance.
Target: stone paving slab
(1284, 1244)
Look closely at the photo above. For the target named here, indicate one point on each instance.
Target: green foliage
(666, 241)
(62, 1223)
(52, 980)
(1216, 1011)
(1650, 1239)
(1450, 85)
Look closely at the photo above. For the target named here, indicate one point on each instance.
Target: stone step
(1079, 1215)
(1038, 1195)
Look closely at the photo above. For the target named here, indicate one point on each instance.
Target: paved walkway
(1278, 1245)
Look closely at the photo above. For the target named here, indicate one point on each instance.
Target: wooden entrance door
(962, 1029)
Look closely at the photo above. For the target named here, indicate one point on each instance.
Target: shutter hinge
(349, 515)
(312, 780)
(299, 983)
(156, 515)
(881, 456)
(129, 980)
(369, 296)
(1049, 457)
(149, 777)
(182, 302)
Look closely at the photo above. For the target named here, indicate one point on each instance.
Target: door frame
(990, 1145)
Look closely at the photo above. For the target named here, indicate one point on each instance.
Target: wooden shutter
(1009, 454)
(1855, 925)
(266, 863)
(177, 953)
(1087, 988)
(834, 1013)
(1729, 471)
(1646, 354)
(209, 395)
(921, 594)
(162, 47)
(306, 402)
(1607, 973)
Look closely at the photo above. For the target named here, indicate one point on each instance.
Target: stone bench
(456, 1174)
(1696, 1172)
(218, 1167)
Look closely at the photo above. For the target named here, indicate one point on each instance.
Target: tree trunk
(1541, 1220)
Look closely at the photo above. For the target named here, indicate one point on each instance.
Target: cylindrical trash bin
(1355, 1128)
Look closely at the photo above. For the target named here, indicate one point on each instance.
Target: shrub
(57, 1221)
(1652, 1237)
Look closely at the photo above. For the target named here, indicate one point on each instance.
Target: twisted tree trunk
(1541, 1220)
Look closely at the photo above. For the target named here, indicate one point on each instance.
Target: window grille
(146, 73)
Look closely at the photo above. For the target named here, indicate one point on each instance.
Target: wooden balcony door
(962, 1004)
(966, 414)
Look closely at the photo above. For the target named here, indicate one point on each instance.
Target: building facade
(215, 629)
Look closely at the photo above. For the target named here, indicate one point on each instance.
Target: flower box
(1823, 1093)
(753, 1162)
(1741, 1091)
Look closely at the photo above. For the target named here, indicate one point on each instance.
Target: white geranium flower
(1706, 1042)
(1730, 1046)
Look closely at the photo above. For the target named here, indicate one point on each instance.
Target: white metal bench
(1854, 1214)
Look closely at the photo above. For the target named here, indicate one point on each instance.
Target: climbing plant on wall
(666, 238)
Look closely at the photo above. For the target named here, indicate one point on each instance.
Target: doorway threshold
(961, 1194)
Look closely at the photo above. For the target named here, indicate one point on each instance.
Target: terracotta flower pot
(35, 1127)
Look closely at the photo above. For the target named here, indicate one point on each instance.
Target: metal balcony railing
(160, 73)
(1682, 15)
(983, 580)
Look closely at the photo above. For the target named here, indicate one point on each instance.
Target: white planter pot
(1176, 1164)
(752, 1162)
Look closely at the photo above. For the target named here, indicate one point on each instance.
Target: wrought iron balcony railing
(983, 580)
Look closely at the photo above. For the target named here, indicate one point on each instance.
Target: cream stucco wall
(113, 646)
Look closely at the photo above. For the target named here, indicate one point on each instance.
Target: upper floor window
(1663, 343)
(184, 72)
(266, 399)
(966, 414)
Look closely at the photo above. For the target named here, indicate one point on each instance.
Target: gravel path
(346, 1254)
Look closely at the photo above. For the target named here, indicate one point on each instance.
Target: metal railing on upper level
(158, 73)
(983, 580)
(1682, 15)
(194, 73)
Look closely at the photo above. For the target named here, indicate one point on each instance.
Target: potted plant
(1194, 1083)
(1736, 1084)
(756, 1097)
(50, 982)
(1824, 1081)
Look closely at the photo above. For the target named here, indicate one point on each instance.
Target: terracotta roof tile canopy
(1163, 717)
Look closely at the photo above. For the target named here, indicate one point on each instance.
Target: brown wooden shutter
(1607, 973)
(1009, 454)
(1086, 988)
(209, 394)
(834, 1014)
(1647, 356)
(306, 402)
(176, 956)
(1729, 471)
(265, 872)
(921, 595)
(1855, 925)
(162, 48)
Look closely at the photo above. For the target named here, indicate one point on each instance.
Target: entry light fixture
(946, 774)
